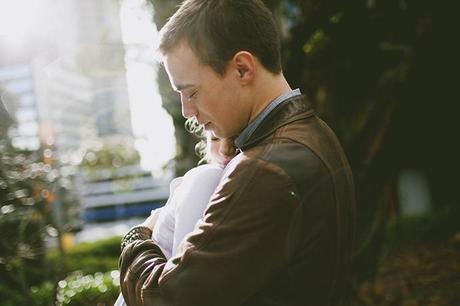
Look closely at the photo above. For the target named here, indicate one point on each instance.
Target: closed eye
(192, 95)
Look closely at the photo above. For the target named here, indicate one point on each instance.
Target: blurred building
(82, 77)
(122, 193)
(81, 88)
(70, 88)
(17, 90)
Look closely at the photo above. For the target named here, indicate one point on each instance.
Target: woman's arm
(162, 220)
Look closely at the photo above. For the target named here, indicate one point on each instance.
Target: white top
(189, 197)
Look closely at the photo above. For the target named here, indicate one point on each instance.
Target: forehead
(183, 66)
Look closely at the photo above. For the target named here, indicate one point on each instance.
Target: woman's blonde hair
(193, 127)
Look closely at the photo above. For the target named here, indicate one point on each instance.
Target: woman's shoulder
(203, 175)
(204, 170)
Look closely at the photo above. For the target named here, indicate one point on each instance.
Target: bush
(102, 248)
(93, 289)
(43, 295)
(91, 257)
(85, 285)
(11, 296)
(21, 248)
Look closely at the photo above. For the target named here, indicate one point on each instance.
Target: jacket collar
(293, 109)
(249, 130)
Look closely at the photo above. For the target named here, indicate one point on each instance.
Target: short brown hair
(217, 29)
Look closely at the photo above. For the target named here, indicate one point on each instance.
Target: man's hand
(151, 220)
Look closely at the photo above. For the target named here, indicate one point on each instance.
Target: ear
(244, 66)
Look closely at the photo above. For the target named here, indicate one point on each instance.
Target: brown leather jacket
(277, 231)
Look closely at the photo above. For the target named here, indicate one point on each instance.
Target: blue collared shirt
(250, 129)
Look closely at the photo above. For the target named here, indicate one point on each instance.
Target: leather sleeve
(243, 241)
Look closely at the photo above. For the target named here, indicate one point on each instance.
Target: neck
(268, 89)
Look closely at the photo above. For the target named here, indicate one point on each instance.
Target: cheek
(215, 148)
(208, 100)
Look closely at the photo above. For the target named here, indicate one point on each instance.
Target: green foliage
(109, 153)
(21, 249)
(101, 248)
(11, 296)
(84, 283)
(79, 289)
(25, 183)
(43, 294)
(91, 257)
(91, 264)
(316, 42)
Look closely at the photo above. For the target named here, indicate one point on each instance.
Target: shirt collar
(250, 129)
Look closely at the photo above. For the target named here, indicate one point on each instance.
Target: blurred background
(91, 135)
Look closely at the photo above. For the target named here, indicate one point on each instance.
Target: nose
(188, 109)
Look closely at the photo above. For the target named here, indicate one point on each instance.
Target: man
(278, 229)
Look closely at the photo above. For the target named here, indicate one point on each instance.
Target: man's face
(213, 99)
